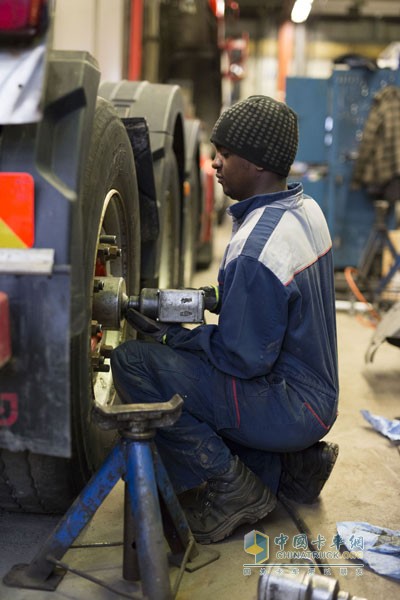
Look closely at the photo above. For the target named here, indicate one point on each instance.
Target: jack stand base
(19, 577)
(204, 557)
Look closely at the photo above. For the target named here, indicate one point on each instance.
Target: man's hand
(211, 297)
(145, 325)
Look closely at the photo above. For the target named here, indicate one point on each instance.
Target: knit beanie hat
(261, 130)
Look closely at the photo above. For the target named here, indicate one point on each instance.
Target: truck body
(98, 182)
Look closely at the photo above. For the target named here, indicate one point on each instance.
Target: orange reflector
(186, 189)
(17, 219)
(5, 335)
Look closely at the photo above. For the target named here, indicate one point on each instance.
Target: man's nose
(216, 163)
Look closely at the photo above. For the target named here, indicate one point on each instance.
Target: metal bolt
(98, 285)
(96, 327)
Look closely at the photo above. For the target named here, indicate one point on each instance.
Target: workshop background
(339, 69)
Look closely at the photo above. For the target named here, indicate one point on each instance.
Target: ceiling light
(301, 10)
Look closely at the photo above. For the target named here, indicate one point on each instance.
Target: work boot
(227, 501)
(305, 473)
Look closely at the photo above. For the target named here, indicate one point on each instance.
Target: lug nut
(96, 327)
(98, 285)
(108, 239)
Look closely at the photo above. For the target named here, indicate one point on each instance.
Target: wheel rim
(108, 267)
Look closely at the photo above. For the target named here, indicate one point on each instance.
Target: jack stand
(135, 460)
(377, 240)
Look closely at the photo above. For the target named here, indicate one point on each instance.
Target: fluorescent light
(301, 10)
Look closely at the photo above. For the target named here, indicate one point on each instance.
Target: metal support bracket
(27, 261)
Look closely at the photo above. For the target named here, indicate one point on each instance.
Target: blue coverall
(264, 380)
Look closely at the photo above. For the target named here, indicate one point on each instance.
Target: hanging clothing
(378, 162)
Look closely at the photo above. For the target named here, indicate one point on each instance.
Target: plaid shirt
(378, 161)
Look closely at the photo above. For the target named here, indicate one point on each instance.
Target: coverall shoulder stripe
(249, 239)
(296, 243)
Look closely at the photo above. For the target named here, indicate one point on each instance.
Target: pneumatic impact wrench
(173, 306)
(111, 304)
(153, 311)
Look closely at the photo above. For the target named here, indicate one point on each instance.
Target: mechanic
(260, 388)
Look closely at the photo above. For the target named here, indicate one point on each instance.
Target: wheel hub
(109, 300)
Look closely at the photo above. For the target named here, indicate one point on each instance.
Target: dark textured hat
(260, 129)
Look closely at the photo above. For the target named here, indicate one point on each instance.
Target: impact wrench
(111, 305)
(174, 306)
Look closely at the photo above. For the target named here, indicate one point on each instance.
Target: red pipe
(285, 54)
(135, 40)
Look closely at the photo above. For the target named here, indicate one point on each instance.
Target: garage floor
(363, 487)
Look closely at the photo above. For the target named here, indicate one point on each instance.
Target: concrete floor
(364, 486)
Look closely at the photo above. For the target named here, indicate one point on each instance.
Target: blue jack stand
(147, 486)
(377, 240)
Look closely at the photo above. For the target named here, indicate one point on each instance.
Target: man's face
(235, 174)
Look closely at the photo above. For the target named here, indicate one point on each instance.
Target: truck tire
(169, 274)
(190, 233)
(192, 202)
(163, 108)
(110, 207)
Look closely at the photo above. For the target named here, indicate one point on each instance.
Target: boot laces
(205, 500)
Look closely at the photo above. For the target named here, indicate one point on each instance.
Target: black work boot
(227, 501)
(305, 473)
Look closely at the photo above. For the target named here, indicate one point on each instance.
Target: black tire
(191, 228)
(205, 255)
(37, 483)
(170, 230)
